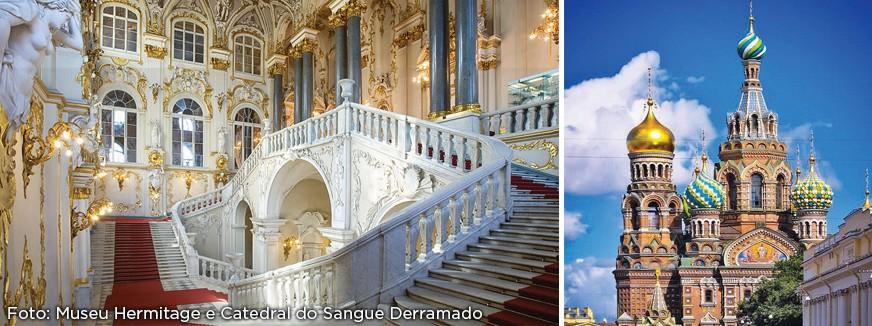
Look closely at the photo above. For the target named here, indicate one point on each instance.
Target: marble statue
(87, 125)
(28, 31)
(222, 140)
(155, 134)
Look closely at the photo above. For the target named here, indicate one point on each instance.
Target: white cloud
(695, 79)
(799, 135)
(590, 283)
(600, 112)
(572, 226)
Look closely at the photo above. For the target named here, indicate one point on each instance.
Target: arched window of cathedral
(698, 262)
(756, 190)
(694, 247)
(625, 250)
(713, 229)
(120, 29)
(747, 294)
(118, 124)
(644, 170)
(625, 264)
(661, 250)
(706, 248)
(647, 250)
(660, 171)
(653, 215)
(637, 265)
(732, 189)
(187, 133)
(189, 40)
(822, 231)
(779, 195)
(715, 263)
(246, 134)
(247, 55)
(709, 294)
(636, 219)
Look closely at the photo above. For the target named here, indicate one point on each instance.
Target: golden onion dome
(650, 135)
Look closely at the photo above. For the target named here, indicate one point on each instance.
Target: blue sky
(816, 75)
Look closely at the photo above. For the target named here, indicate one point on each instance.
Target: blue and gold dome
(812, 192)
(704, 192)
(751, 47)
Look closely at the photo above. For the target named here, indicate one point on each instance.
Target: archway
(242, 236)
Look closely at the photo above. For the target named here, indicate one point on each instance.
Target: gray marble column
(354, 72)
(307, 84)
(438, 31)
(341, 58)
(298, 89)
(466, 94)
(278, 103)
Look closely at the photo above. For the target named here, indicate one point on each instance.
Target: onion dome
(751, 46)
(704, 191)
(650, 135)
(811, 193)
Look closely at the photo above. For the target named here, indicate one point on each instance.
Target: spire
(751, 16)
(650, 101)
(811, 157)
(866, 204)
(798, 163)
(658, 301)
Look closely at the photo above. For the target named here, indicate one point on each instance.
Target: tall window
(654, 215)
(188, 41)
(246, 134)
(708, 296)
(119, 28)
(248, 55)
(756, 190)
(118, 123)
(187, 133)
(732, 188)
(779, 186)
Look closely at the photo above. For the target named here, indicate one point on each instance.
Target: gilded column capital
(354, 8)
(277, 68)
(338, 19)
(306, 45)
(155, 51)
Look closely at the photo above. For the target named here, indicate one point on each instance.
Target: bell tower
(753, 166)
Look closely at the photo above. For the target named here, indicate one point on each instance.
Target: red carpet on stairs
(535, 187)
(137, 278)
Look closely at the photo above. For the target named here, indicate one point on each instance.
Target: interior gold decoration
(116, 73)
(354, 8)
(80, 221)
(35, 149)
(409, 36)
(120, 61)
(81, 193)
(86, 74)
(120, 176)
(189, 82)
(26, 290)
(155, 90)
(469, 107)
(422, 68)
(189, 177)
(155, 158)
(220, 64)
(154, 51)
(438, 115)
(551, 147)
(290, 243)
(222, 175)
(306, 45)
(549, 29)
(123, 207)
(277, 68)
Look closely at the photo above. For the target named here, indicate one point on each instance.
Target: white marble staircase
(170, 261)
(509, 274)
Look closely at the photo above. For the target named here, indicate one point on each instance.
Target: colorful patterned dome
(812, 192)
(751, 47)
(650, 135)
(704, 192)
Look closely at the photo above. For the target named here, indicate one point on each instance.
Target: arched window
(189, 40)
(120, 28)
(247, 55)
(246, 134)
(756, 190)
(708, 296)
(779, 188)
(732, 188)
(653, 215)
(187, 133)
(118, 123)
(636, 219)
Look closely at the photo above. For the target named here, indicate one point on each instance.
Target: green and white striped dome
(751, 47)
(812, 193)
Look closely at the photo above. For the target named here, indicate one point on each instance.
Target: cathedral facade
(691, 258)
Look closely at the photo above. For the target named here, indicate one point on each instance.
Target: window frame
(179, 118)
(256, 62)
(244, 126)
(137, 33)
(205, 35)
(758, 191)
(127, 112)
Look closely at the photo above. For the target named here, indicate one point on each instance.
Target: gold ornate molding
(155, 158)
(277, 68)
(409, 36)
(154, 51)
(80, 221)
(306, 45)
(220, 64)
(551, 147)
(81, 193)
(469, 107)
(222, 175)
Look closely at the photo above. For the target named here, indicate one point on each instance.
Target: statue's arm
(71, 38)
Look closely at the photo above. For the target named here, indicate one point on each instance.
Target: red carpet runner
(137, 278)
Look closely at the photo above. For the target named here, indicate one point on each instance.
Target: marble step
(526, 253)
(538, 227)
(521, 243)
(505, 261)
(505, 273)
(442, 299)
(525, 234)
(465, 292)
(479, 281)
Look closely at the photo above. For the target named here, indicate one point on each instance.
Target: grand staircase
(511, 274)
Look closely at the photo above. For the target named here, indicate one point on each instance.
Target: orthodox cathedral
(690, 258)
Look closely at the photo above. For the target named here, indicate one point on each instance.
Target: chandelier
(549, 28)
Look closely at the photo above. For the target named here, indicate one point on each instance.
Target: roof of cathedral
(751, 46)
(812, 192)
(704, 191)
(650, 135)
(658, 300)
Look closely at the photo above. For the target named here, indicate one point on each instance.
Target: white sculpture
(222, 140)
(155, 134)
(28, 31)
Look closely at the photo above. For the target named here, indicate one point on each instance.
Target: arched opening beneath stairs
(299, 195)
(242, 228)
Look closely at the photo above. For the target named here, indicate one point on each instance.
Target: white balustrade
(220, 272)
(522, 118)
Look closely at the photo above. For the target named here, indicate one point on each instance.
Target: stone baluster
(422, 236)
(452, 219)
(437, 228)
(465, 213)
(477, 211)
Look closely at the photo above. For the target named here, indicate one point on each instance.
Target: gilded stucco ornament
(154, 51)
(548, 146)
(80, 221)
(220, 64)
(186, 81)
(222, 175)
